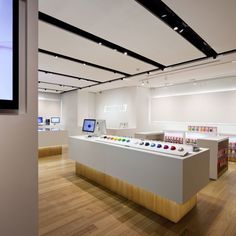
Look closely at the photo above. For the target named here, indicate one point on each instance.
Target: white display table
(52, 138)
(164, 183)
(51, 141)
(218, 146)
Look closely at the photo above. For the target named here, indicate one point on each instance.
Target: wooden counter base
(162, 206)
(49, 151)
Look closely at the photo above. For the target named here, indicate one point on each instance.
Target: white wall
(208, 103)
(49, 105)
(204, 103)
(69, 112)
(85, 106)
(18, 145)
(117, 106)
(76, 106)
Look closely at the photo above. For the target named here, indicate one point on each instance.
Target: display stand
(51, 142)
(218, 154)
(232, 147)
(164, 183)
(174, 136)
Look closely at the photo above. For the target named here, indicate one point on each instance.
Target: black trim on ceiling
(68, 27)
(57, 90)
(59, 84)
(86, 63)
(154, 70)
(70, 76)
(169, 17)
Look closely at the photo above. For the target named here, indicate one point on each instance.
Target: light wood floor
(73, 206)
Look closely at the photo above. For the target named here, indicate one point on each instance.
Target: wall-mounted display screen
(40, 120)
(9, 54)
(55, 120)
(89, 125)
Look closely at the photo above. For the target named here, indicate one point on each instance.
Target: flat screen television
(55, 120)
(40, 120)
(89, 125)
(9, 20)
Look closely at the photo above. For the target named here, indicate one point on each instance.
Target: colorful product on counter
(204, 129)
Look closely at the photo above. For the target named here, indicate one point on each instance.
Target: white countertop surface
(215, 138)
(150, 132)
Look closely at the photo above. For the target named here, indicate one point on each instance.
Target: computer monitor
(40, 120)
(9, 54)
(89, 125)
(55, 120)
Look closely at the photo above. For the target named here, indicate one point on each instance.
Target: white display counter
(52, 137)
(171, 180)
(218, 146)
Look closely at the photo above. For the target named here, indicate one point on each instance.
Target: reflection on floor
(73, 206)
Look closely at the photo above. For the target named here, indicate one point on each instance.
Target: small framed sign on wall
(9, 56)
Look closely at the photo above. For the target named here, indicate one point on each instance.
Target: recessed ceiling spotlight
(100, 43)
(84, 64)
(56, 57)
(176, 28)
(164, 15)
(142, 83)
(181, 30)
(125, 53)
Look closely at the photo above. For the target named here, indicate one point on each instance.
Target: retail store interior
(126, 122)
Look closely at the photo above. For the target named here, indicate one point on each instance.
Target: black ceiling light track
(57, 90)
(164, 13)
(70, 28)
(81, 61)
(59, 84)
(70, 76)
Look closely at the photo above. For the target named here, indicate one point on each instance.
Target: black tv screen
(89, 125)
(9, 20)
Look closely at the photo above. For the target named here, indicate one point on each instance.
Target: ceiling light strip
(59, 84)
(70, 76)
(65, 26)
(169, 17)
(57, 90)
(81, 62)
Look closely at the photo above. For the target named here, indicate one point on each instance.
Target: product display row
(222, 159)
(47, 121)
(157, 146)
(206, 129)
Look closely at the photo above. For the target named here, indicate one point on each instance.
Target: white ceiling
(128, 24)
(51, 63)
(213, 20)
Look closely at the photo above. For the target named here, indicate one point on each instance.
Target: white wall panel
(216, 107)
